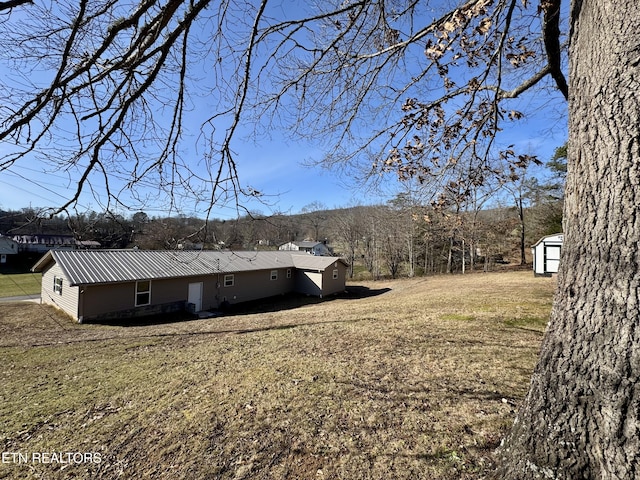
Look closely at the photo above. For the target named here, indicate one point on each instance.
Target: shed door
(552, 258)
(195, 295)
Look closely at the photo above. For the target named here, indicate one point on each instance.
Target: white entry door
(195, 295)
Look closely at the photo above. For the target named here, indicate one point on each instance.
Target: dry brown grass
(418, 381)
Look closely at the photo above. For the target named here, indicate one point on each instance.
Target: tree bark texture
(580, 419)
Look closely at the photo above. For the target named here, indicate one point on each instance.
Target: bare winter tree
(348, 230)
(520, 189)
(107, 91)
(315, 220)
(102, 91)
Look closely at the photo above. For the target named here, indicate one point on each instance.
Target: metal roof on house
(307, 243)
(313, 262)
(84, 267)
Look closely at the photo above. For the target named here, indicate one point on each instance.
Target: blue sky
(275, 167)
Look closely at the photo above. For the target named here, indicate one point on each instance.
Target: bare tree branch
(13, 3)
(383, 87)
(551, 34)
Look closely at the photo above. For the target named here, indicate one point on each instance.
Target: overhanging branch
(551, 36)
(12, 4)
(526, 85)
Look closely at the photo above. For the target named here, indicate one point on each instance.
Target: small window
(229, 280)
(143, 293)
(57, 285)
(288, 273)
(335, 274)
(274, 274)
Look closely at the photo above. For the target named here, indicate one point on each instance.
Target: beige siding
(332, 285)
(254, 285)
(98, 300)
(102, 299)
(68, 301)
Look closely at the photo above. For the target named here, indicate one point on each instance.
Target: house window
(335, 274)
(229, 280)
(143, 293)
(274, 274)
(288, 273)
(57, 285)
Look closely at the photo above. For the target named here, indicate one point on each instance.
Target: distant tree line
(468, 228)
(404, 237)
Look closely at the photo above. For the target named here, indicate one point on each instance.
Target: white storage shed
(546, 255)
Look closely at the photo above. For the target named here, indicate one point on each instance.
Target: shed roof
(555, 238)
(84, 267)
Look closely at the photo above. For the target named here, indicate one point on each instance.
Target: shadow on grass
(278, 303)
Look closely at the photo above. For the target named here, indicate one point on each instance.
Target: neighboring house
(313, 248)
(546, 255)
(8, 246)
(95, 285)
(42, 243)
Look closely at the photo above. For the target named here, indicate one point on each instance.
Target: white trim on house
(58, 283)
(143, 296)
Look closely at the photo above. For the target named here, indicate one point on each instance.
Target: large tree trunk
(580, 419)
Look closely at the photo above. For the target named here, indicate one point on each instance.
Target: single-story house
(95, 285)
(313, 248)
(546, 255)
(8, 246)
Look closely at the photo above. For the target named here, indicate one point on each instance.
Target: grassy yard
(401, 379)
(19, 284)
